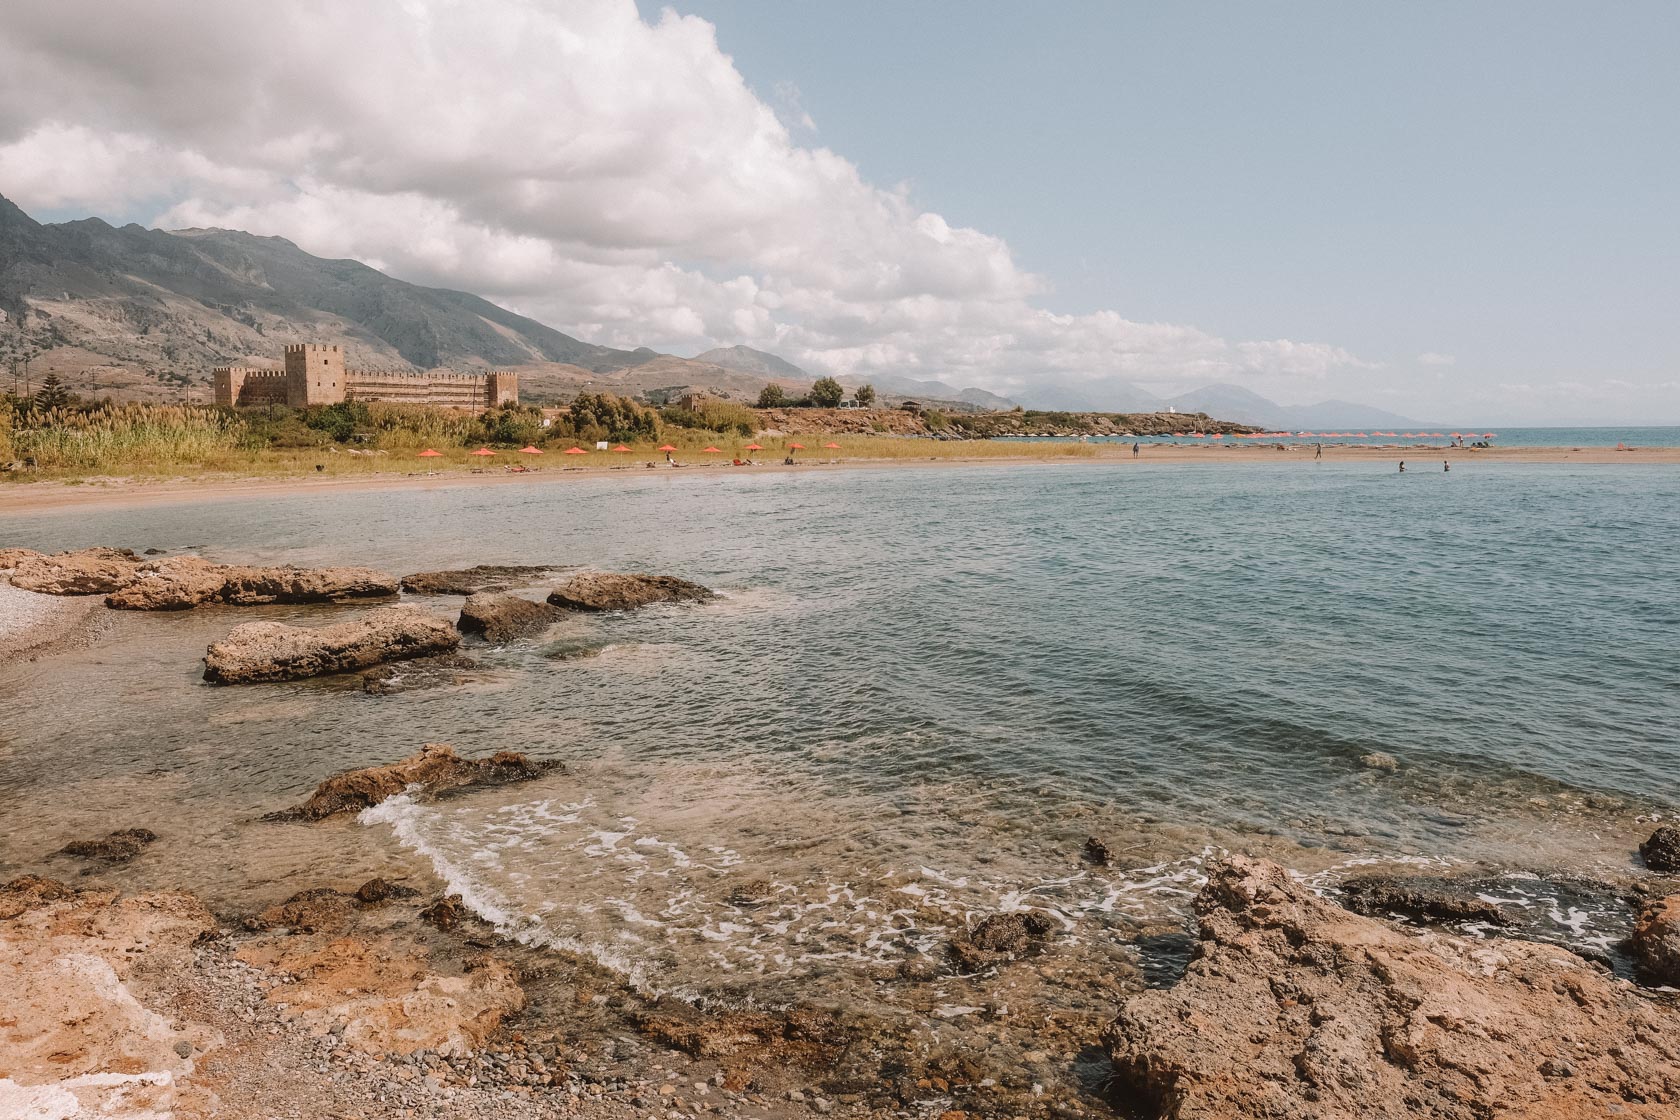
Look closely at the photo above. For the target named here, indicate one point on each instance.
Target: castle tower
(501, 388)
(229, 381)
(314, 375)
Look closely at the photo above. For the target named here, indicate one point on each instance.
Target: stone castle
(316, 375)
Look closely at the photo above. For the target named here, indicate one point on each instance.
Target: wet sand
(115, 493)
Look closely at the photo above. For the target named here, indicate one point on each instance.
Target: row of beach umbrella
(431, 453)
(1334, 435)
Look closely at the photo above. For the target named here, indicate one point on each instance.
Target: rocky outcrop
(12, 557)
(116, 847)
(91, 571)
(470, 581)
(184, 582)
(1296, 1009)
(274, 651)
(1421, 896)
(27, 892)
(436, 769)
(620, 591)
(998, 938)
(1655, 943)
(502, 618)
(1661, 852)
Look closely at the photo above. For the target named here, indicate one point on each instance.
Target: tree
(827, 393)
(52, 393)
(772, 396)
(865, 394)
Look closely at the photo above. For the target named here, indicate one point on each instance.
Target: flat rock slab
(502, 618)
(436, 769)
(116, 847)
(274, 651)
(1296, 1009)
(623, 591)
(90, 571)
(184, 582)
(469, 581)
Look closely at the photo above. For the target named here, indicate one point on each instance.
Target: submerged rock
(1378, 760)
(1297, 1009)
(91, 571)
(435, 770)
(470, 581)
(375, 891)
(1655, 943)
(317, 910)
(998, 938)
(1421, 896)
(184, 582)
(1662, 851)
(621, 591)
(274, 651)
(1098, 852)
(116, 847)
(502, 618)
(417, 673)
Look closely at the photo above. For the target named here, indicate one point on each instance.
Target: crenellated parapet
(315, 374)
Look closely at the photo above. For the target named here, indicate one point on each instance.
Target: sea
(920, 691)
(1442, 437)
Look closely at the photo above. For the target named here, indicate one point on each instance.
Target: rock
(1661, 852)
(751, 893)
(417, 673)
(617, 591)
(274, 651)
(1655, 943)
(1427, 897)
(28, 892)
(1097, 852)
(1377, 760)
(92, 571)
(12, 557)
(446, 913)
(999, 937)
(436, 769)
(312, 911)
(375, 891)
(470, 581)
(502, 618)
(116, 847)
(1296, 1009)
(184, 582)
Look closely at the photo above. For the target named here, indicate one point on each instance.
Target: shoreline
(109, 493)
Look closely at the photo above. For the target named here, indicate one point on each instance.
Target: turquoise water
(935, 679)
(1440, 437)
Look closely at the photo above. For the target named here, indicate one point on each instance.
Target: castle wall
(316, 375)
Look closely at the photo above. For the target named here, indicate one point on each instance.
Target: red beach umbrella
(1487, 435)
(621, 447)
(530, 451)
(430, 454)
(575, 451)
(484, 451)
(1218, 435)
(712, 450)
(753, 447)
(667, 447)
(796, 447)
(832, 446)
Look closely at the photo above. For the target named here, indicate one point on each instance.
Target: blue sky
(1497, 182)
(1462, 212)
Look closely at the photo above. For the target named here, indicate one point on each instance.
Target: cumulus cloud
(613, 176)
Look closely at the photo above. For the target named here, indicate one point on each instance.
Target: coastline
(118, 492)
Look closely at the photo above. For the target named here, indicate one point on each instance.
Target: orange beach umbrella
(621, 447)
(796, 447)
(667, 447)
(530, 451)
(712, 450)
(832, 446)
(430, 454)
(575, 451)
(484, 451)
(752, 447)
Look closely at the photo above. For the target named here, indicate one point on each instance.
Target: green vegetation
(714, 416)
(864, 394)
(772, 396)
(827, 393)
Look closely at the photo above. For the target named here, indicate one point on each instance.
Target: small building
(316, 374)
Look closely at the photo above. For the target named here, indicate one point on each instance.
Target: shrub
(772, 396)
(827, 393)
(864, 394)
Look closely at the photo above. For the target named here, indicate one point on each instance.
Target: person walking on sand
(1134, 450)
(1318, 451)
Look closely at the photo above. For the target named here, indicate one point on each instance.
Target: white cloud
(1431, 358)
(614, 177)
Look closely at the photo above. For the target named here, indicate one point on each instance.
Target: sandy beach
(118, 492)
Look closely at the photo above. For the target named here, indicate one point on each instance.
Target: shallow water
(919, 693)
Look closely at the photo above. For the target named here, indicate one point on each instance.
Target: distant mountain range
(146, 313)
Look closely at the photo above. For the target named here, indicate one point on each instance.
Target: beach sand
(112, 493)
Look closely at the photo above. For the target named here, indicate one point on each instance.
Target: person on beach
(1134, 451)
(1445, 466)
(668, 458)
(1402, 466)
(1318, 451)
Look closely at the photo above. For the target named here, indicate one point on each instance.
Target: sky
(1458, 211)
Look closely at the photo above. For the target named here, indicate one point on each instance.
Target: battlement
(315, 374)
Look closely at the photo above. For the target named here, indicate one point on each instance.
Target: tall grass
(123, 436)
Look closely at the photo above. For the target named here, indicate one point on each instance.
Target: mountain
(908, 388)
(187, 300)
(1233, 402)
(744, 359)
(1109, 394)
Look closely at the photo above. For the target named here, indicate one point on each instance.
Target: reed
(125, 436)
